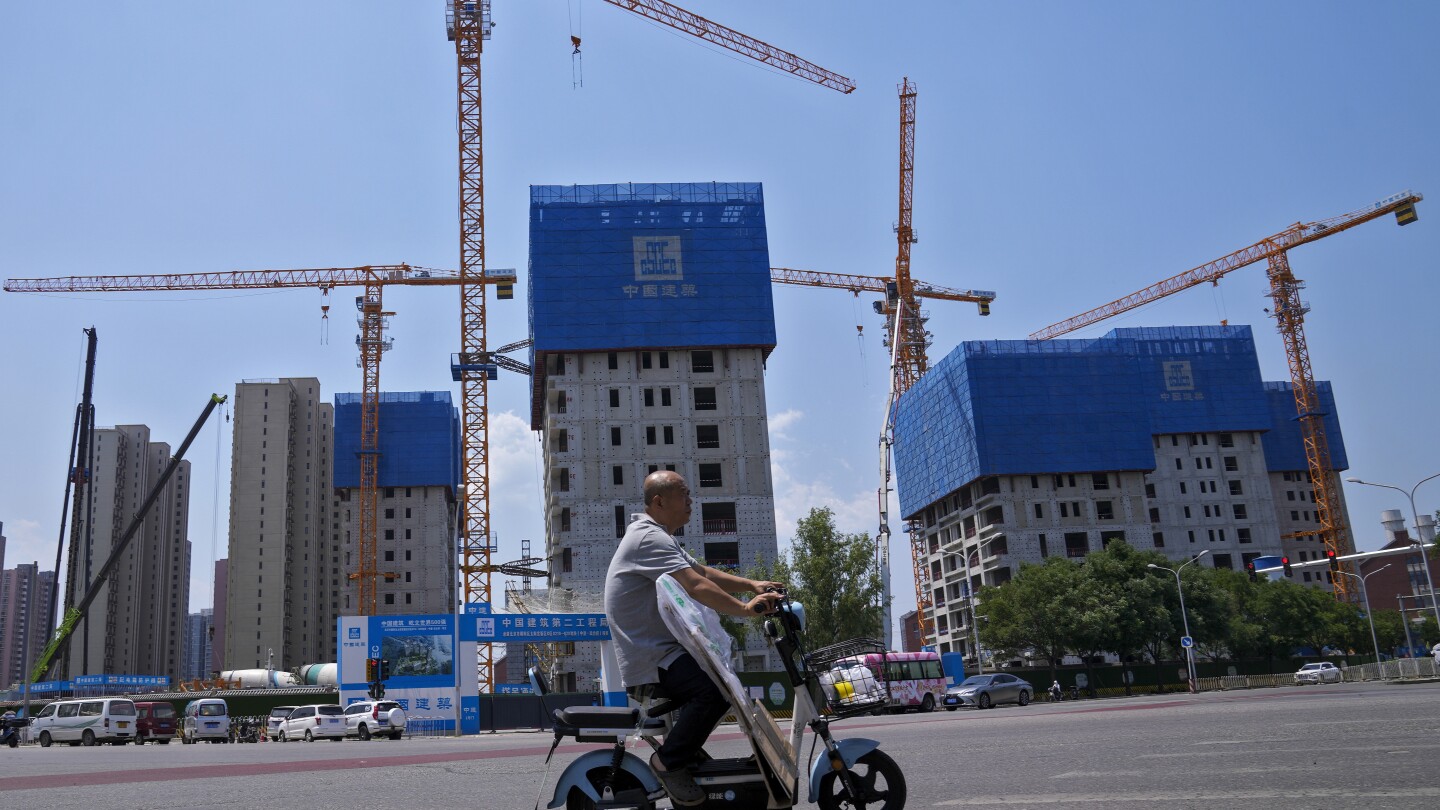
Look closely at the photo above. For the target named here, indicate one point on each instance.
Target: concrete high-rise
(134, 626)
(284, 570)
(216, 664)
(25, 593)
(419, 477)
(652, 318)
(1013, 451)
(198, 634)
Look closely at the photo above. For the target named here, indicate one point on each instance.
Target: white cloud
(516, 484)
(781, 423)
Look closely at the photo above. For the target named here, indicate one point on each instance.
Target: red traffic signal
(1250, 569)
(1332, 559)
(1285, 563)
(372, 665)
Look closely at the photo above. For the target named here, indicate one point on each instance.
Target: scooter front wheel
(877, 778)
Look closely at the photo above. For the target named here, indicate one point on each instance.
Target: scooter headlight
(798, 611)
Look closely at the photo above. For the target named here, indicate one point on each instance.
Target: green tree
(834, 576)
(1286, 617)
(1389, 630)
(1143, 618)
(1026, 613)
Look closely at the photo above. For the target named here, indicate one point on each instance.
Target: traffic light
(371, 667)
(1250, 569)
(1285, 563)
(384, 669)
(1332, 559)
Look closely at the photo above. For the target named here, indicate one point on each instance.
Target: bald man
(647, 652)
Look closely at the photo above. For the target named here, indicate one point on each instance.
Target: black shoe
(679, 784)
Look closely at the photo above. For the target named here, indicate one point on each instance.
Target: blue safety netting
(1063, 406)
(419, 440)
(649, 265)
(1285, 443)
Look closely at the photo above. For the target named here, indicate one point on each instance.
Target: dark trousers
(702, 706)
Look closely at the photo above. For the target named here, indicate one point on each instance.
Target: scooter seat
(573, 720)
(617, 717)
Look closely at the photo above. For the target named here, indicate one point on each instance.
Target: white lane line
(1287, 794)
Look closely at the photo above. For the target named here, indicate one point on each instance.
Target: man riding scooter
(647, 652)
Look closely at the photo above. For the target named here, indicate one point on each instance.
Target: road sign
(1187, 642)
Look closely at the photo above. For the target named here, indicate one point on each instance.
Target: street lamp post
(1419, 539)
(1405, 623)
(1184, 619)
(1365, 595)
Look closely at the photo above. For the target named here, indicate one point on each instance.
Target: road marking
(1153, 797)
(1304, 749)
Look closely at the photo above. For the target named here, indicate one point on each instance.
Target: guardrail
(426, 726)
(1399, 669)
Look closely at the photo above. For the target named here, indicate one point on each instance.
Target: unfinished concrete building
(652, 318)
(419, 476)
(1010, 452)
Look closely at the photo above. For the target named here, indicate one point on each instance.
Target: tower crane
(371, 343)
(469, 25)
(1289, 314)
(908, 341)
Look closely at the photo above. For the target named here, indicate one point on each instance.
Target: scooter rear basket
(851, 677)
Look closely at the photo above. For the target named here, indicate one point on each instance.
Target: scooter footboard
(850, 750)
(577, 775)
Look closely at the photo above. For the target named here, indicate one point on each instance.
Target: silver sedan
(984, 691)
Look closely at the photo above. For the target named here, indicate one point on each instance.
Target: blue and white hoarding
(432, 670)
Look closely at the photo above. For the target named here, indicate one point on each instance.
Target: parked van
(154, 722)
(205, 719)
(88, 721)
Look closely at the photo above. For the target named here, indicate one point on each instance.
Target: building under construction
(1166, 438)
(651, 317)
(418, 482)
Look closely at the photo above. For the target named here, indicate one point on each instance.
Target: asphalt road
(1334, 746)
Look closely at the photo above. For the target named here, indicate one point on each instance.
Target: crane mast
(1289, 313)
(469, 27)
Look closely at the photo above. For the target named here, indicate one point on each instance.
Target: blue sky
(1066, 154)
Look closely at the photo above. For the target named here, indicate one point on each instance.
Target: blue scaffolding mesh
(419, 440)
(1064, 406)
(1285, 443)
(649, 265)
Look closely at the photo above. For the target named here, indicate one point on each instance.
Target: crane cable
(577, 66)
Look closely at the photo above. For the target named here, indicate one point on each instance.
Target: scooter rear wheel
(875, 775)
(577, 800)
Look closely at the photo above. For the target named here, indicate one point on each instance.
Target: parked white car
(375, 718)
(272, 723)
(1323, 672)
(314, 722)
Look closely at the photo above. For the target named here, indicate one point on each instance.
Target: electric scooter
(10, 726)
(850, 773)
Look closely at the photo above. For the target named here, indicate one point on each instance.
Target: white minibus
(86, 721)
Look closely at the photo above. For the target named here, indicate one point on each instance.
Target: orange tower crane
(1289, 314)
(908, 341)
(468, 25)
(371, 342)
